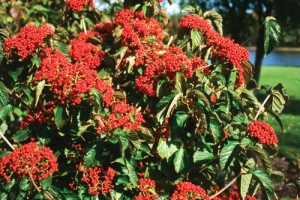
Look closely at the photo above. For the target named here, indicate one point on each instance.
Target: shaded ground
(291, 172)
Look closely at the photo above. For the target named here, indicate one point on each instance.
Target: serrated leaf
(215, 129)
(248, 98)
(45, 135)
(147, 135)
(180, 160)
(89, 157)
(21, 135)
(202, 156)
(96, 96)
(215, 19)
(3, 95)
(178, 122)
(165, 106)
(264, 157)
(39, 88)
(180, 84)
(60, 116)
(245, 181)
(265, 182)
(273, 34)
(25, 90)
(25, 184)
(166, 149)
(240, 119)
(188, 8)
(196, 37)
(36, 61)
(277, 176)
(5, 111)
(201, 96)
(46, 183)
(227, 153)
(122, 180)
(123, 140)
(182, 42)
(15, 71)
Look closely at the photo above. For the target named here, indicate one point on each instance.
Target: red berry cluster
(39, 115)
(187, 190)
(97, 180)
(122, 116)
(70, 82)
(223, 48)
(79, 5)
(27, 41)
(233, 195)
(38, 160)
(76, 154)
(147, 188)
(263, 132)
(85, 52)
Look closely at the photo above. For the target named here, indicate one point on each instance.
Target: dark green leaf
(26, 93)
(182, 42)
(196, 37)
(215, 129)
(180, 160)
(5, 111)
(165, 106)
(25, 184)
(265, 182)
(248, 98)
(36, 61)
(3, 95)
(121, 180)
(45, 135)
(180, 83)
(21, 135)
(161, 89)
(147, 135)
(123, 140)
(166, 148)
(147, 10)
(96, 96)
(277, 176)
(273, 34)
(240, 119)
(15, 71)
(46, 183)
(202, 156)
(227, 152)
(215, 19)
(178, 122)
(264, 157)
(201, 96)
(60, 116)
(89, 157)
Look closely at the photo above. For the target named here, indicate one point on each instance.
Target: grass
(289, 139)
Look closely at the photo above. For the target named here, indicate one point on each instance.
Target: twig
(7, 142)
(262, 106)
(83, 24)
(227, 186)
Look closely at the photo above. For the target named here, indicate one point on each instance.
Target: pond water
(279, 58)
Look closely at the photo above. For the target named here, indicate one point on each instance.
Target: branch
(262, 106)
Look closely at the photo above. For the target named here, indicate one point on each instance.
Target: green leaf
(273, 34)
(265, 182)
(21, 135)
(178, 121)
(123, 140)
(215, 19)
(63, 48)
(46, 183)
(240, 119)
(203, 156)
(25, 90)
(60, 116)
(165, 106)
(264, 157)
(15, 71)
(245, 181)
(277, 176)
(180, 83)
(180, 160)
(196, 37)
(45, 135)
(147, 10)
(89, 157)
(248, 98)
(215, 129)
(201, 96)
(36, 61)
(161, 88)
(25, 184)
(188, 8)
(279, 98)
(166, 149)
(96, 96)
(39, 88)
(3, 95)
(147, 135)
(122, 180)
(5, 111)
(227, 153)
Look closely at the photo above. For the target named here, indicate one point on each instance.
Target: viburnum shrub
(115, 108)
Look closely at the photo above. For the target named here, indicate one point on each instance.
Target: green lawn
(290, 78)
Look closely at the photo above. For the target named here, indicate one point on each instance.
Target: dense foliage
(121, 110)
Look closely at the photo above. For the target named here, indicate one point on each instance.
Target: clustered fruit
(79, 5)
(223, 48)
(263, 132)
(31, 158)
(187, 190)
(96, 179)
(27, 41)
(122, 116)
(147, 190)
